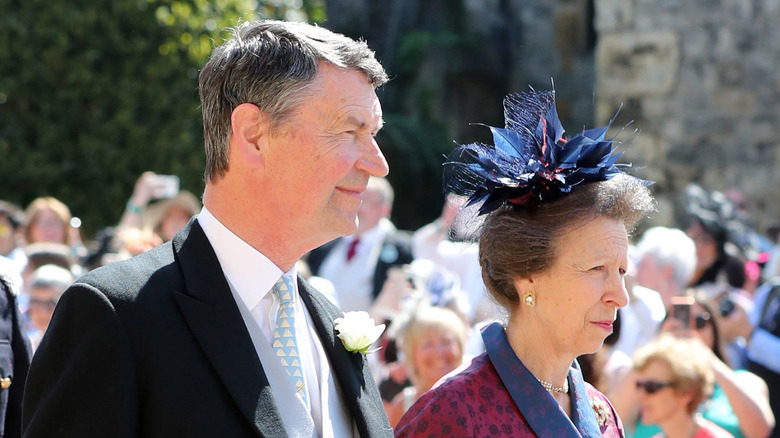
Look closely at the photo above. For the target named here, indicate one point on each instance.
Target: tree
(93, 93)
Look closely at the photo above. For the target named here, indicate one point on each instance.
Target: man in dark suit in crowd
(15, 353)
(185, 340)
(357, 265)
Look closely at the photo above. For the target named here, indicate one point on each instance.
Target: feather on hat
(530, 162)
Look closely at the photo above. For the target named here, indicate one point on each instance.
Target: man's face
(319, 161)
(42, 303)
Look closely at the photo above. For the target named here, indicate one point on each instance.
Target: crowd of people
(527, 308)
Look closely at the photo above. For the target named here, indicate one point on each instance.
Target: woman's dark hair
(521, 242)
(709, 307)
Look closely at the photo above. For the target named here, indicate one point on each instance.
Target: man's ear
(249, 133)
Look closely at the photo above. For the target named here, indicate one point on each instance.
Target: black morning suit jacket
(156, 347)
(15, 353)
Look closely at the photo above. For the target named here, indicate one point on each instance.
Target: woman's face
(436, 353)
(706, 246)
(578, 297)
(174, 221)
(701, 323)
(658, 400)
(47, 227)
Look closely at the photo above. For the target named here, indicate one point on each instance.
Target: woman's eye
(622, 272)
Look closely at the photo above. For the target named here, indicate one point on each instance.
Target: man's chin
(344, 227)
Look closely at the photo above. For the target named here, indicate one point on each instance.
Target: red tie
(351, 249)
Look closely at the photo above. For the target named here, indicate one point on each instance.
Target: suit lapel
(213, 316)
(351, 370)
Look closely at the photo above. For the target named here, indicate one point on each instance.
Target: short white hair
(52, 277)
(670, 247)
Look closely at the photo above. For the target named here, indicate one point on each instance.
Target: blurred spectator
(357, 265)
(409, 287)
(449, 242)
(673, 377)
(739, 401)
(666, 261)
(324, 286)
(148, 187)
(39, 254)
(432, 342)
(763, 351)
(44, 288)
(11, 234)
(48, 220)
(713, 222)
(421, 280)
(639, 320)
(168, 216)
(14, 360)
(158, 204)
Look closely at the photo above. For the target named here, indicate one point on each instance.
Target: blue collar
(538, 407)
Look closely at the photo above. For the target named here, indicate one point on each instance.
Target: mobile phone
(681, 310)
(166, 186)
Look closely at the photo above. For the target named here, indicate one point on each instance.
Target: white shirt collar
(249, 272)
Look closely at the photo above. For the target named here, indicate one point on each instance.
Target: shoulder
(454, 406)
(124, 279)
(709, 429)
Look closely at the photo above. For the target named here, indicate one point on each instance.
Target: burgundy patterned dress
(497, 396)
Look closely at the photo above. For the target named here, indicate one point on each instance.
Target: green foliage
(415, 152)
(93, 93)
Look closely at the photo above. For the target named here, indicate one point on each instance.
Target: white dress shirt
(251, 276)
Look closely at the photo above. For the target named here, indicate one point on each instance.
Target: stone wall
(701, 80)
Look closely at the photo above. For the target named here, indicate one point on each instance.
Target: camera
(681, 309)
(166, 186)
(726, 306)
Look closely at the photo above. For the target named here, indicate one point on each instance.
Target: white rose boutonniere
(357, 331)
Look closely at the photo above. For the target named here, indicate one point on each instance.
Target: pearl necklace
(552, 389)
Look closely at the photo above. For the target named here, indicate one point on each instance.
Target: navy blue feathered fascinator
(530, 162)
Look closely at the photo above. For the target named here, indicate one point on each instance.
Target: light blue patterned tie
(284, 344)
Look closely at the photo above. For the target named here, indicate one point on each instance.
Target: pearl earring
(529, 298)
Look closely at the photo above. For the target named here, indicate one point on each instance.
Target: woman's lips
(606, 325)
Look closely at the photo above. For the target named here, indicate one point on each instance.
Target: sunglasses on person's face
(651, 386)
(702, 320)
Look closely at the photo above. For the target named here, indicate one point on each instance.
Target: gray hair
(51, 277)
(383, 187)
(270, 64)
(670, 247)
